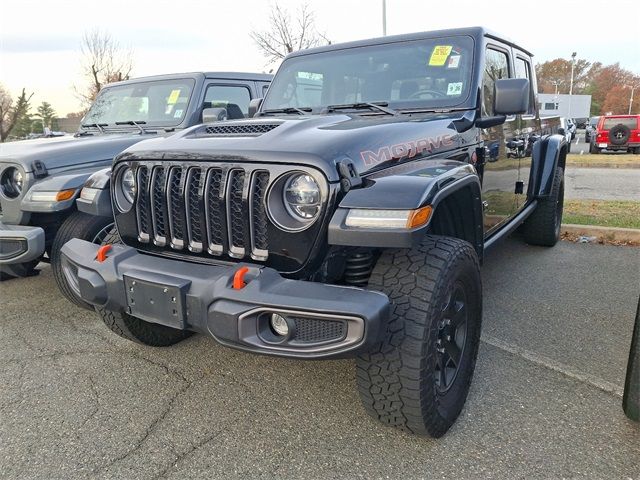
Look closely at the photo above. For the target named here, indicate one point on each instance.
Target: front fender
(548, 153)
(55, 183)
(403, 188)
(96, 199)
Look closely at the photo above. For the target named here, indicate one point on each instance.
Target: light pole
(384, 18)
(632, 87)
(573, 64)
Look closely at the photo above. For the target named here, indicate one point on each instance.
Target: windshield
(629, 122)
(159, 103)
(421, 74)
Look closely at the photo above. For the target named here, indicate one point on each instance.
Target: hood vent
(235, 129)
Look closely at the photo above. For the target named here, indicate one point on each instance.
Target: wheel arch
(548, 153)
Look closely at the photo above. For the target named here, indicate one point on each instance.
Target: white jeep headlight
(12, 182)
(124, 189)
(302, 196)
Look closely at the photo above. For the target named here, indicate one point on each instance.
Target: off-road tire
(397, 379)
(543, 226)
(77, 225)
(624, 130)
(140, 331)
(593, 148)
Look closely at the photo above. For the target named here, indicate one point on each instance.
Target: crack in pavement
(180, 457)
(549, 363)
(96, 399)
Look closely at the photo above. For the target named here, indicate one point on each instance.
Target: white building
(571, 106)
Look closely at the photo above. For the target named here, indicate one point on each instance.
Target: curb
(603, 165)
(608, 233)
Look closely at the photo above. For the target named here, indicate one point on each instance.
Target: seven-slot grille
(203, 209)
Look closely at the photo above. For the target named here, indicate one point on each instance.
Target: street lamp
(384, 18)
(573, 64)
(632, 87)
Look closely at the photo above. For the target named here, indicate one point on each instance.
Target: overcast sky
(40, 40)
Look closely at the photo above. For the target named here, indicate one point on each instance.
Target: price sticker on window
(173, 97)
(439, 55)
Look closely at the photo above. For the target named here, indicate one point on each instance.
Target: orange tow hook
(238, 278)
(102, 253)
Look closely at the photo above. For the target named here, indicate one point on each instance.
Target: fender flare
(547, 154)
(406, 191)
(55, 183)
(100, 204)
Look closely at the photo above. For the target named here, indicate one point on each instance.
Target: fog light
(279, 325)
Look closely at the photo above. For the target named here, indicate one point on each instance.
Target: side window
(496, 67)
(234, 98)
(523, 70)
(264, 90)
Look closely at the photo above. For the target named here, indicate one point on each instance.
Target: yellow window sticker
(439, 55)
(173, 98)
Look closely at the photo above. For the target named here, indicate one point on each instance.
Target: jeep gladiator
(347, 218)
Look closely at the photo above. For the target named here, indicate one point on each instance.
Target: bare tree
(104, 61)
(285, 35)
(11, 114)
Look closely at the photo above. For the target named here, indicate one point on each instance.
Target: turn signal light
(64, 195)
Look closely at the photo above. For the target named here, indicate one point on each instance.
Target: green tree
(558, 73)
(11, 113)
(47, 114)
(24, 126)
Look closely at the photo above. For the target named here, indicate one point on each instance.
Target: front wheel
(417, 377)
(86, 227)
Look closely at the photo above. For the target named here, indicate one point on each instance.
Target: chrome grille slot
(237, 222)
(159, 206)
(175, 201)
(195, 212)
(258, 215)
(215, 211)
(143, 206)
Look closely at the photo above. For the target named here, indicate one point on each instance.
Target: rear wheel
(593, 148)
(543, 226)
(417, 378)
(86, 227)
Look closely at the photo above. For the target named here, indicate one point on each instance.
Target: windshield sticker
(454, 61)
(178, 113)
(454, 88)
(173, 98)
(439, 55)
(167, 111)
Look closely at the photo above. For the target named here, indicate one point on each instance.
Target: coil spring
(358, 268)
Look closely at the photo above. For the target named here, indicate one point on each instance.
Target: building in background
(569, 106)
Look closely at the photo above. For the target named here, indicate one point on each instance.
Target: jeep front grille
(201, 208)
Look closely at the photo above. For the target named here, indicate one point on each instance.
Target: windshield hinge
(349, 176)
(39, 170)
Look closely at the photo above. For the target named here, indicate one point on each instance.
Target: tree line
(609, 85)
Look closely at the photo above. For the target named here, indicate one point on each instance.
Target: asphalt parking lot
(78, 402)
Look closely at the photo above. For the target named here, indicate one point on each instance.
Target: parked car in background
(41, 179)
(617, 133)
(590, 128)
(572, 127)
(565, 130)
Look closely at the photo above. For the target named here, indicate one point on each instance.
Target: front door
(499, 170)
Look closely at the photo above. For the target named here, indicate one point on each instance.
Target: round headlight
(302, 197)
(12, 182)
(125, 189)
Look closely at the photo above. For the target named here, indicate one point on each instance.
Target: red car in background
(617, 132)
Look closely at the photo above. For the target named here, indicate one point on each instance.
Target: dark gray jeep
(348, 217)
(41, 179)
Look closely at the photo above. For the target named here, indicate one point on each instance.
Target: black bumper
(325, 320)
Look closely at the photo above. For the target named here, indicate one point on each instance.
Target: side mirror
(214, 115)
(511, 96)
(254, 105)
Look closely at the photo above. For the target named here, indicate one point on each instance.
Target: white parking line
(551, 364)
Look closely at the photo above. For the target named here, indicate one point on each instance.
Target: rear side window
(496, 68)
(523, 70)
(630, 122)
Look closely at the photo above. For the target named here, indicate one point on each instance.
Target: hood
(370, 142)
(67, 152)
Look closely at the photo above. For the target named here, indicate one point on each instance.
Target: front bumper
(325, 320)
(20, 243)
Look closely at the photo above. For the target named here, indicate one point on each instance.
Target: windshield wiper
(376, 106)
(299, 111)
(135, 123)
(95, 125)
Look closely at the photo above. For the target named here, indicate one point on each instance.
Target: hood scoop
(228, 129)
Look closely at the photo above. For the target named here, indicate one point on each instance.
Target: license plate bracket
(157, 298)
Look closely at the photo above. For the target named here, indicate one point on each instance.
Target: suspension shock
(358, 268)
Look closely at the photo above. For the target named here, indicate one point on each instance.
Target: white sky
(42, 54)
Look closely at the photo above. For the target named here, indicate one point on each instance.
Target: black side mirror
(254, 106)
(511, 96)
(562, 131)
(214, 115)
